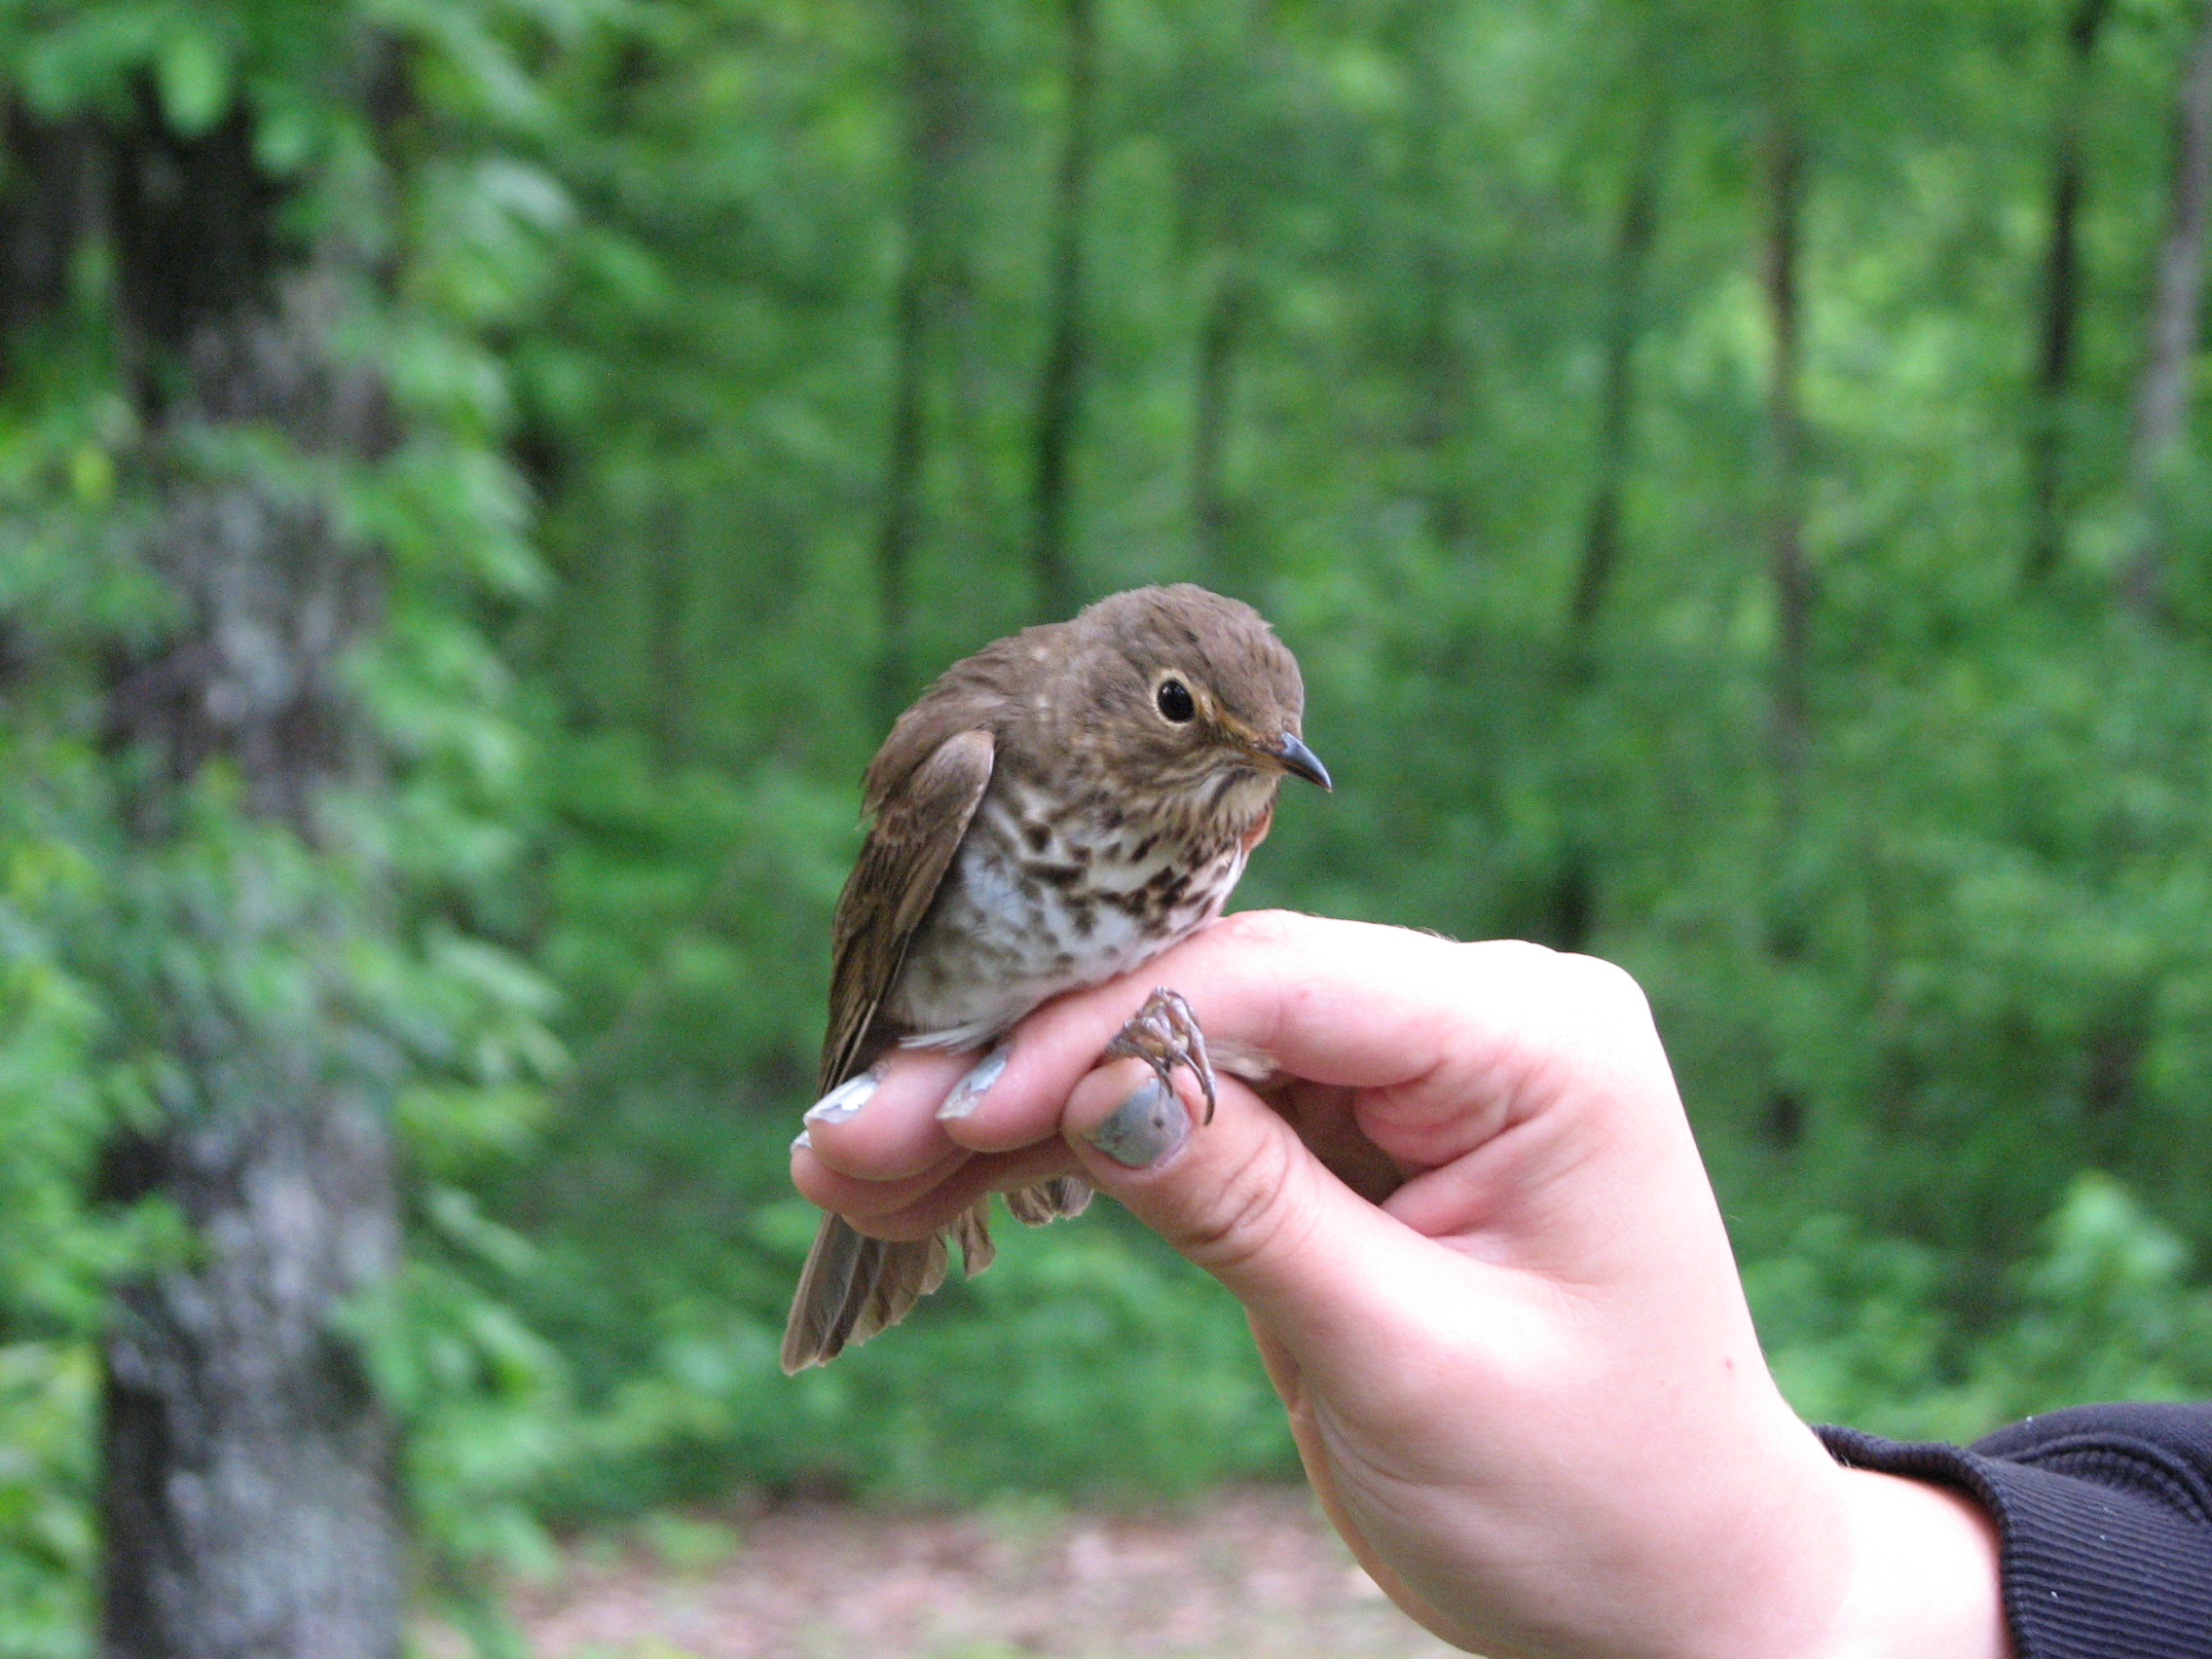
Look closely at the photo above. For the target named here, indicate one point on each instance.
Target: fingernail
(846, 1099)
(1145, 1128)
(968, 1092)
(802, 1139)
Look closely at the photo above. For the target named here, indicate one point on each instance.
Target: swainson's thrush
(1056, 810)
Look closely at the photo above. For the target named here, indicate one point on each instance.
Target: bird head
(1194, 692)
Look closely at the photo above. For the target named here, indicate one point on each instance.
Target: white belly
(1000, 939)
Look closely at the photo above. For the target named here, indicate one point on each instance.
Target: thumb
(1242, 1197)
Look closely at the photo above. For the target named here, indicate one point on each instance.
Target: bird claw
(1164, 1034)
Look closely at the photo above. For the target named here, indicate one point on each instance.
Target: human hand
(1489, 1278)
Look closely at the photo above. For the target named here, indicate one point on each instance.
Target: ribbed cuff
(2107, 1542)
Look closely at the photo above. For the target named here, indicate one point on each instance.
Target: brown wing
(918, 826)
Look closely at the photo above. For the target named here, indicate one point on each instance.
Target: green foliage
(1346, 342)
(1358, 282)
(1085, 1362)
(1859, 1331)
(49, 1398)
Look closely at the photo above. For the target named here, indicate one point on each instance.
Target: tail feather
(854, 1287)
(1049, 1200)
(971, 1230)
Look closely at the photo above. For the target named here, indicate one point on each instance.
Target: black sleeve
(2105, 1513)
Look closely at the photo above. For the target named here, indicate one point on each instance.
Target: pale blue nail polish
(802, 1139)
(845, 1101)
(1145, 1128)
(967, 1094)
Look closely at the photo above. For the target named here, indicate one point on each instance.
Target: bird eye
(1174, 700)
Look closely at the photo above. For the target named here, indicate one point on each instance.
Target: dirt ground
(1245, 1576)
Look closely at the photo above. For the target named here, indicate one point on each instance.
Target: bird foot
(1164, 1034)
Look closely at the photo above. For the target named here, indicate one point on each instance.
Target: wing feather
(854, 1287)
(917, 829)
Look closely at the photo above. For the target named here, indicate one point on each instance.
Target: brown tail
(854, 1287)
(1049, 1200)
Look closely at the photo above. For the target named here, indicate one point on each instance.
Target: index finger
(1408, 1019)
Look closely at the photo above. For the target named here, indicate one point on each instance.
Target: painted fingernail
(968, 1092)
(802, 1139)
(845, 1100)
(1145, 1128)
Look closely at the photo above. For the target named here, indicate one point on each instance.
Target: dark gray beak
(1301, 762)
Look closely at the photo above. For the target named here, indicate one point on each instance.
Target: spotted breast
(1045, 897)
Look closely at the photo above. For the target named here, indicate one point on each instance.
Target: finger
(920, 1204)
(1326, 1122)
(856, 1199)
(1378, 1008)
(889, 1131)
(1245, 1200)
(987, 1172)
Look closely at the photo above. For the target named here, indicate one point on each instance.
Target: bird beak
(1301, 762)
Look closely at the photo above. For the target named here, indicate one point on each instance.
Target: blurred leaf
(195, 81)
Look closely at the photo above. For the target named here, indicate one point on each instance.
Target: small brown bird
(1056, 810)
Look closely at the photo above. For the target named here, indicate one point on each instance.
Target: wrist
(1924, 1575)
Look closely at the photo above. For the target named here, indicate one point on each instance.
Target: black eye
(1174, 700)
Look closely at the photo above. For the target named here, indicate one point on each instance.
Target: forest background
(478, 476)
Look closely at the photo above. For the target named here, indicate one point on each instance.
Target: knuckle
(1557, 990)
(1488, 968)
(1607, 986)
(1515, 956)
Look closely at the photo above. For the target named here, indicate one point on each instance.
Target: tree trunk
(247, 1500)
(668, 601)
(1616, 398)
(1439, 373)
(2162, 403)
(1221, 325)
(933, 139)
(900, 527)
(2062, 297)
(1059, 388)
(1788, 569)
(1444, 392)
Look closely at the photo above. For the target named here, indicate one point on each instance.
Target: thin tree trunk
(2062, 296)
(668, 595)
(1575, 889)
(900, 527)
(247, 1502)
(1440, 379)
(971, 438)
(933, 139)
(1444, 394)
(1616, 398)
(1788, 571)
(1221, 325)
(1059, 389)
(2162, 403)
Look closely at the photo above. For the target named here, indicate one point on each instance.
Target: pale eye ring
(1174, 701)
